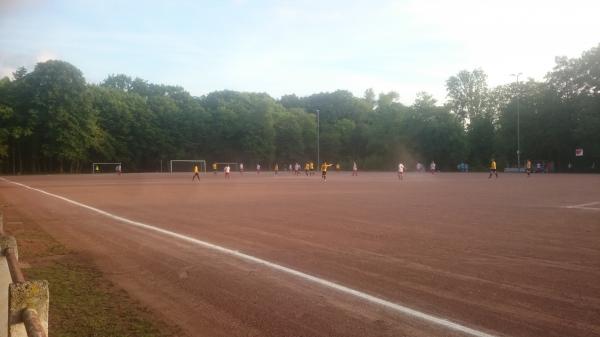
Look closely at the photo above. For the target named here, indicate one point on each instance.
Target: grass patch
(82, 302)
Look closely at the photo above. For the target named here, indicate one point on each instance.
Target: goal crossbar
(96, 166)
(236, 166)
(202, 163)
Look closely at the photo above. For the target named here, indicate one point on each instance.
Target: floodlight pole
(318, 158)
(518, 124)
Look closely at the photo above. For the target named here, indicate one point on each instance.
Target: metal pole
(33, 326)
(13, 266)
(318, 131)
(14, 159)
(518, 124)
(518, 127)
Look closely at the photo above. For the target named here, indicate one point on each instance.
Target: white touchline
(584, 206)
(390, 305)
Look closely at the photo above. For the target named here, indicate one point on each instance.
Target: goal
(186, 165)
(234, 166)
(106, 168)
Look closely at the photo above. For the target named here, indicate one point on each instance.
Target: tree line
(52, 120)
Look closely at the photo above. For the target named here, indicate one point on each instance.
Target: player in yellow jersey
(312, 168)
(276, 168)
(337, 167)
(324, 167)
(528, 167)
(307, 168)
(214, 167)
(196, 173)
(493, 169)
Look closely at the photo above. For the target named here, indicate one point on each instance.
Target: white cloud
(304, 47)
(45, 55)
(11, 5)
(511, 35)
(6, 71)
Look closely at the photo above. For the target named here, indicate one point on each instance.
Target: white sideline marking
(356, 293)
(585, 206)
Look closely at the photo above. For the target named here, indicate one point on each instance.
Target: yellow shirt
(493, 165)
(215, 166)
(306, 166)
(196, 169)
(276, 167)
(529, 164)
(325, 166)
(312, 165)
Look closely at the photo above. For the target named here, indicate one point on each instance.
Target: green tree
(289, 142)
(6, 112)
(65, 126)
(468, 94)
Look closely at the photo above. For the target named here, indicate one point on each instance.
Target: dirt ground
(508, 256)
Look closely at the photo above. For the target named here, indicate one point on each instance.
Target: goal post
(107, 168)
(186, 165)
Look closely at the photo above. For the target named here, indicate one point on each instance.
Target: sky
(298, 47)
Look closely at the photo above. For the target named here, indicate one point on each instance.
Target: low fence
(23, 304)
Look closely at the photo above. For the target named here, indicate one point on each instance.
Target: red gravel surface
(504, 256)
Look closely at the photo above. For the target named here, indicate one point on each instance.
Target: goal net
(233, 166)
(186, 165)
(106, 168)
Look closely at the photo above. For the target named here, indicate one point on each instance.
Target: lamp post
(518, 124)
(318, 159)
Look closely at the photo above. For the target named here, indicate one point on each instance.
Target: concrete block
(28, 295)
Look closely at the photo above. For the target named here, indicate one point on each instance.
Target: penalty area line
(304, 276)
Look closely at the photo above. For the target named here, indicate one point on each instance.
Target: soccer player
(324, 167)
(493, 169)
(401, 171)
(257, 168)
(432, 167)
(306, 169)
(312, 168)
(528, 167)
(337, 167)
(241, 168)
(214, 167)
(276, 168)
(196, 173)
(118, 169)
(354, 169)
(227, 170)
